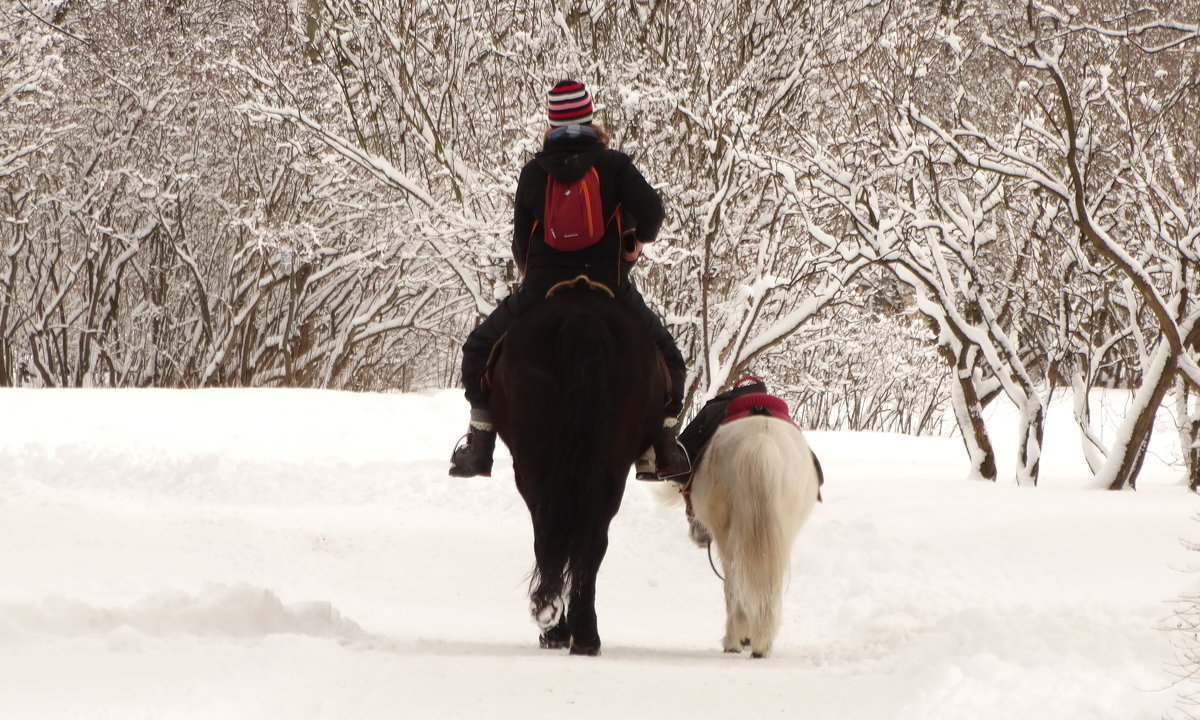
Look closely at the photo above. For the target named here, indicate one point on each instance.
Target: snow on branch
(379, 167)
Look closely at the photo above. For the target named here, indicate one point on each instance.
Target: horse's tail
(768, 504)
(578, 499)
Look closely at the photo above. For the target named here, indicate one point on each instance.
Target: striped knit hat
(568, 103)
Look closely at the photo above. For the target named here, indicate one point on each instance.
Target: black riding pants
(479, 343)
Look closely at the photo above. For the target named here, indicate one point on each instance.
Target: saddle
(748, 396)
(580, 281)
(699, 431)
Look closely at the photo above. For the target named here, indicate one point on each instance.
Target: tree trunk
(969, 413)
(1189, 433)
(1125, 461)
(1094, 452)
(1029, 451)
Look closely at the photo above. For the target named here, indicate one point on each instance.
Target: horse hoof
(555, 638)
(586, 650)
(757, 655)
(546, 614)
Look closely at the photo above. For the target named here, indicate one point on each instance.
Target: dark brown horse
(577, 394)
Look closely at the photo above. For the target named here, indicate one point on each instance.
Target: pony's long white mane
(753, 490)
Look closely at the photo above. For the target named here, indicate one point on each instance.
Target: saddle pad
(757, 404)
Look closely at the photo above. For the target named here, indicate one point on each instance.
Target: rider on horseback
(573, 148)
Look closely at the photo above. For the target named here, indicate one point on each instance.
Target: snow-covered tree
(1106, 103)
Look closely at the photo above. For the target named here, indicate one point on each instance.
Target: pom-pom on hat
(568, 103)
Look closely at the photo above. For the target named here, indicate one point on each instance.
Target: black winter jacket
(621, 183)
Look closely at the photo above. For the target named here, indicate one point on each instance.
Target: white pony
(755, 485)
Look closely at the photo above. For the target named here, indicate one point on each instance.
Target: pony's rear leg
(763, 627)
(755, 629)
(737, 632)
(760, 647)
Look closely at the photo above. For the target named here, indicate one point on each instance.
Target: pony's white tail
(754, 489)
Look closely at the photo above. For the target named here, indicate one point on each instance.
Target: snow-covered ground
(301, 554)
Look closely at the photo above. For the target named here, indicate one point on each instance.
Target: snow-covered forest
(884, 208)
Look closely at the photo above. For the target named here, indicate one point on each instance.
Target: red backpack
(574, 213)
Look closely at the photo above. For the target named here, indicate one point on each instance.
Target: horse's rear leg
(546, 610)
(546, 603)
(581, 616)
(558, 636)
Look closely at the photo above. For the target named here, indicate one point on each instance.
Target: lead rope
(713, 564)
(686, 492)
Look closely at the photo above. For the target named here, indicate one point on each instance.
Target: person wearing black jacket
(573, 146)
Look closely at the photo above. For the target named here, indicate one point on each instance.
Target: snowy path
(292, 554)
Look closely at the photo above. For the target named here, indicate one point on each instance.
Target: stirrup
(676, 474)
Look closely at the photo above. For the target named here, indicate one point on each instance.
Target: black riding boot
(643, 466)
(669, 455)
(474, 456)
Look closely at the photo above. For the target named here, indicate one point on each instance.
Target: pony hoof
(757, 655)
(733, 650)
